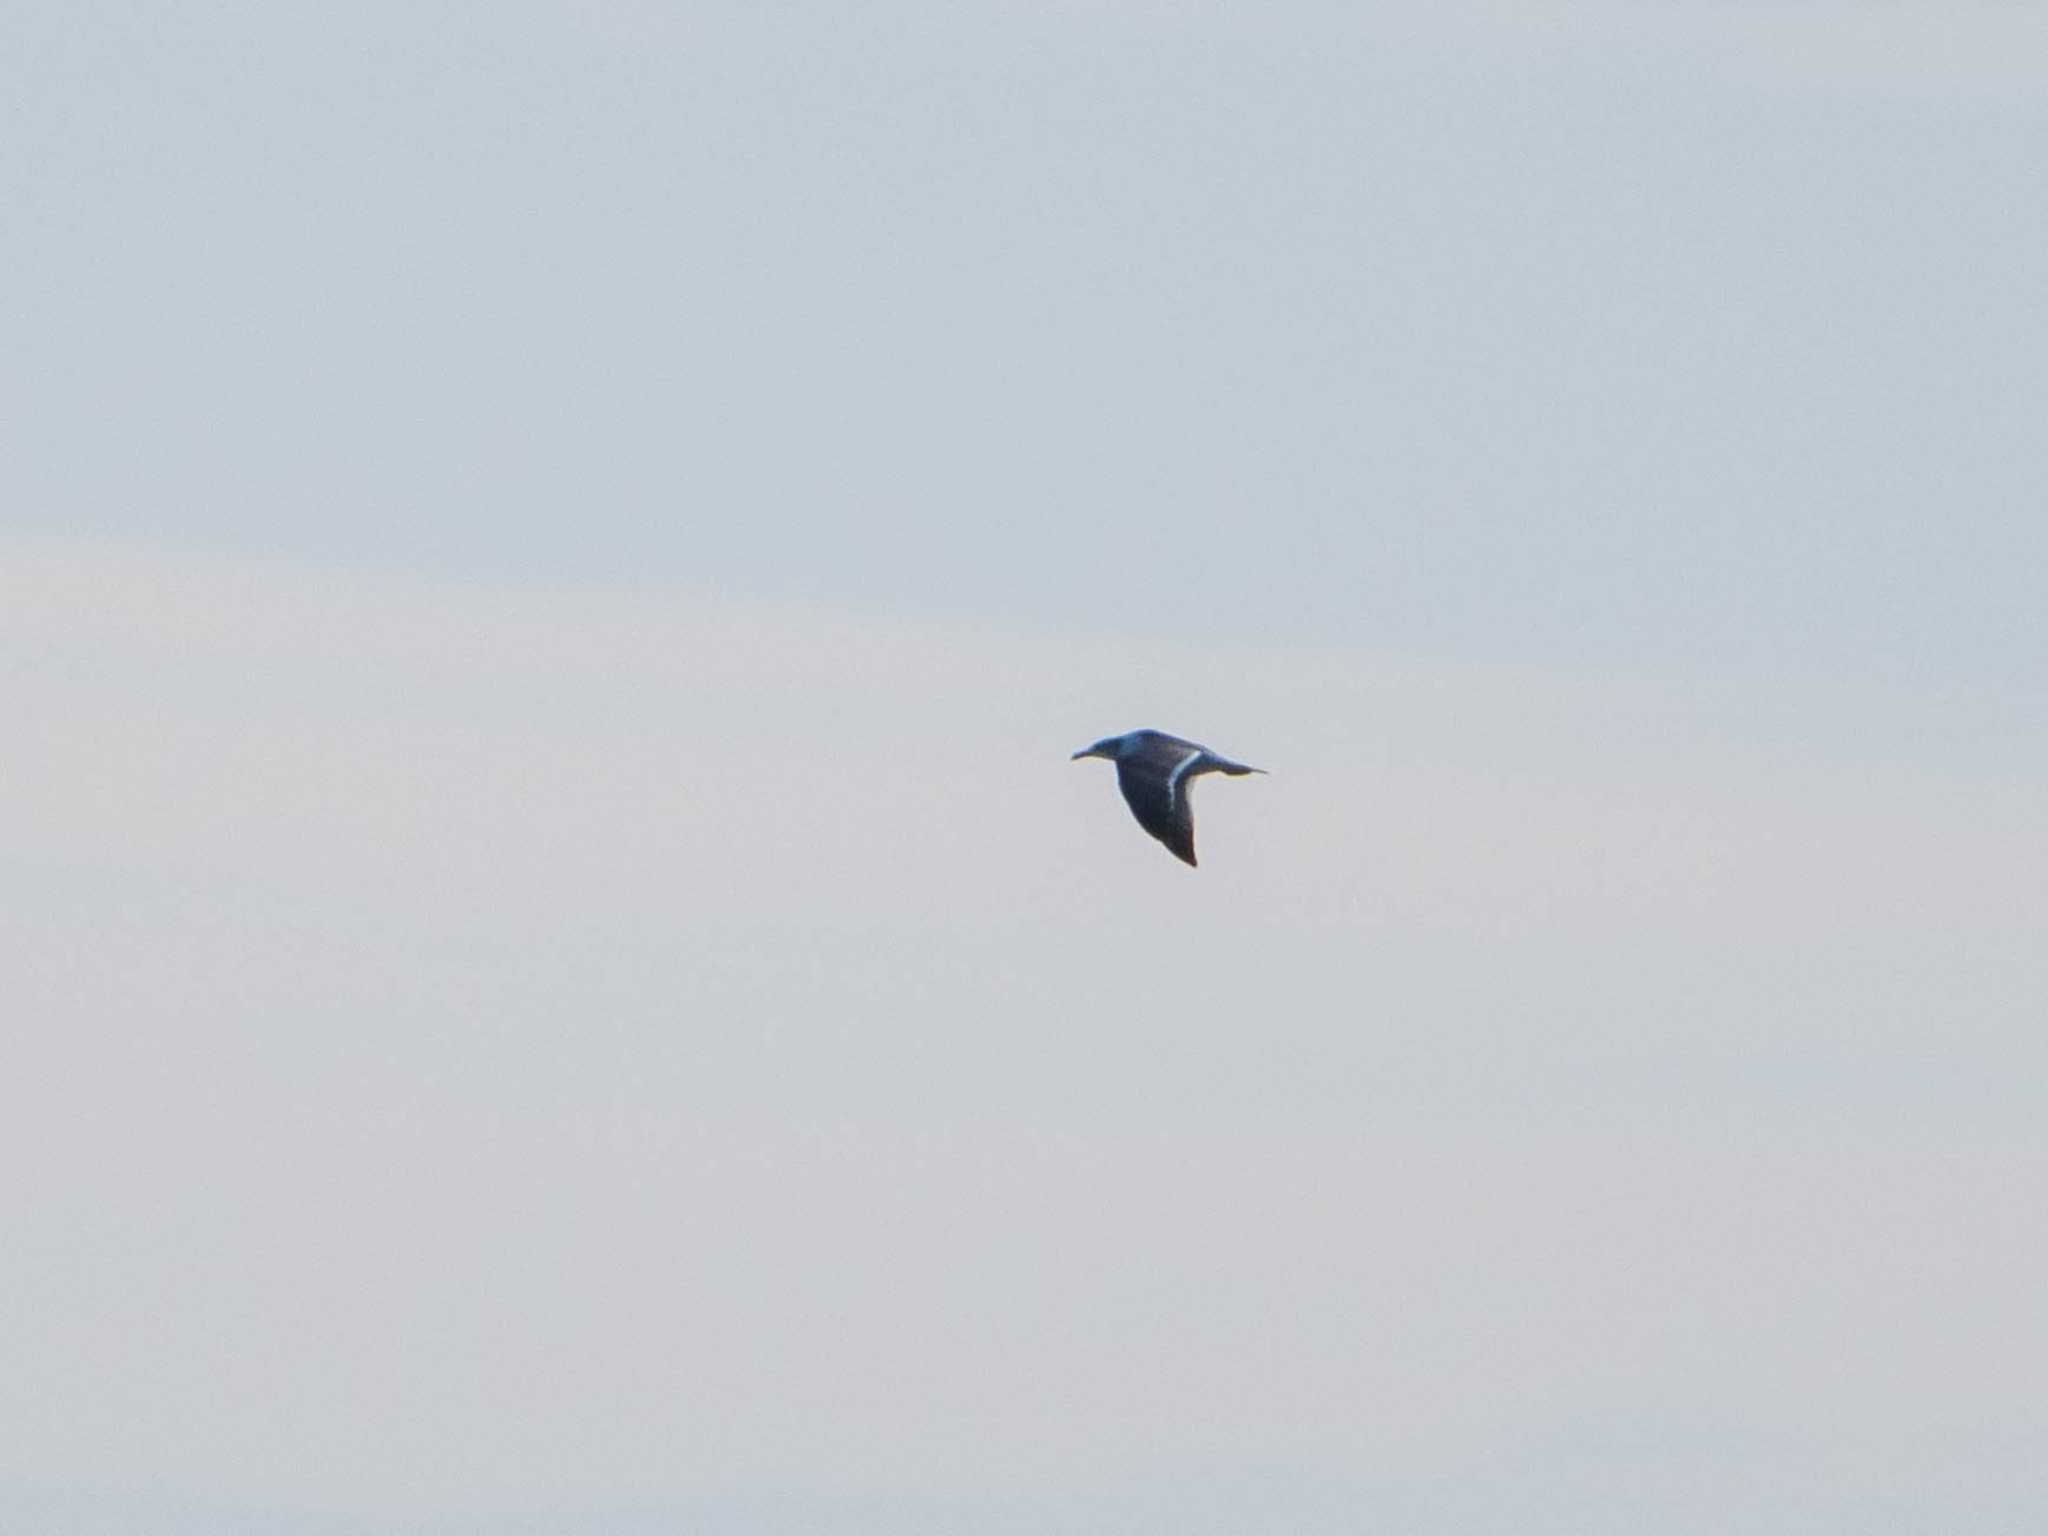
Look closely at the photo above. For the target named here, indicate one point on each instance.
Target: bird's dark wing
(1159, 808)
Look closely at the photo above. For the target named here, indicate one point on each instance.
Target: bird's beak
(1084, 752)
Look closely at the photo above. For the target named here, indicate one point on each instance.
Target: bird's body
(1155, 772)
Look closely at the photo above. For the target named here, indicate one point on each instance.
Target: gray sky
(552, 559)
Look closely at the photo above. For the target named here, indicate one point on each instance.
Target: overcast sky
(561, 980)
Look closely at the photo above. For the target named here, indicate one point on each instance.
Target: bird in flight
(1155, 770)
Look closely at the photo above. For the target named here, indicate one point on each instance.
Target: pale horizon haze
(560, 978)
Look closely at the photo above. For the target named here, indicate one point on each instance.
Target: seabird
(1154, 771)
